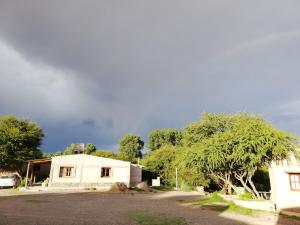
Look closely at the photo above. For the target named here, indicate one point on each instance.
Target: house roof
(39, 161)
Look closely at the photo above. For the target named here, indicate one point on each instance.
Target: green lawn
(216, 202)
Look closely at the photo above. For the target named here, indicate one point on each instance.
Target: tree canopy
(89, 148)
(69, 149)
(19, 141)
(105, 154)
(159, 138)
(130, 147)
(161, 163)
(229, 149)
(166, 159)
(207, 126)
(238, 151)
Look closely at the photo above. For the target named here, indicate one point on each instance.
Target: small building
(36, 170)
(81, 170)
(285, 183)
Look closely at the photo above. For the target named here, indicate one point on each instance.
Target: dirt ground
(111, 208)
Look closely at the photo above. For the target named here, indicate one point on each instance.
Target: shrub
(246, 196)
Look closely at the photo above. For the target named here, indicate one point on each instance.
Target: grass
(186, 187)
(36, 201)
(147, 218)
(14, 190)
(217, 203)
(246, 196)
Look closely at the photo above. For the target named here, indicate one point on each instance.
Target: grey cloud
(118, 67)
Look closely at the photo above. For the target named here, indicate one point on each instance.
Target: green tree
(48, 155)
(69, 149)
(105, 154)
(166, 159)
(161, 162)
(208, 125)
(89, 148)
(130, 147)
(247, 144)
(19, 141)
(158, 138)
(189, 172)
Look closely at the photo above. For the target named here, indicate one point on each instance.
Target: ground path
(110, 209)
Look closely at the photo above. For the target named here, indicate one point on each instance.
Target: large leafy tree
(206, 127)
(247, 144)
(166, 159)
(257, 144)
(130, 147)
(161, 162)
(189, 172)
(19, 141)
(159, 138)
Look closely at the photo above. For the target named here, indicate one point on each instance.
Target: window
(105, 172)
(66, 172)
(295, 181)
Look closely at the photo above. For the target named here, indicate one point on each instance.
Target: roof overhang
(39, 161)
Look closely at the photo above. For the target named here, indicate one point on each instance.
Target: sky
(92, 71)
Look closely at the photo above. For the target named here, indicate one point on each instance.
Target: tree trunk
(244, 183)
(227, 183)
(253, 187)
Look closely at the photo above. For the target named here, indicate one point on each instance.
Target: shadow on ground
(291, 218)
(99, 208)
(112, 209)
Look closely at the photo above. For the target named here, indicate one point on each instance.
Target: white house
(285, 183)
(81, 170)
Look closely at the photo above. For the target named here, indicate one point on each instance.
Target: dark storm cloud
(98, 69)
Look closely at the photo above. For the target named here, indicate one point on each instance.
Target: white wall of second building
(281, 192)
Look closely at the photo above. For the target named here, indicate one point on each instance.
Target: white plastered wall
(281, 192)
(87, 171)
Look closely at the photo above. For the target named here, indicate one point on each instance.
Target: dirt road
(111, 209)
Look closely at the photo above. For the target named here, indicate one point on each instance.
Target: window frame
(294, 182)
(109, 171)
(64, 173)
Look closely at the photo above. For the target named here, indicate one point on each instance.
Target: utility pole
(27, 174)
(176, 179)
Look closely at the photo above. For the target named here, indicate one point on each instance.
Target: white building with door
(285, 183)
(81, 170)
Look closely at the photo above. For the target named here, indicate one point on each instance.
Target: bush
(186, 187)
(148, 176)
(246, 196)
(22, 181)
(261, 179)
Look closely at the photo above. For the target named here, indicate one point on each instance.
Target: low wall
(61, 189)
(257, 205)
(265, 205)
(79, 185)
